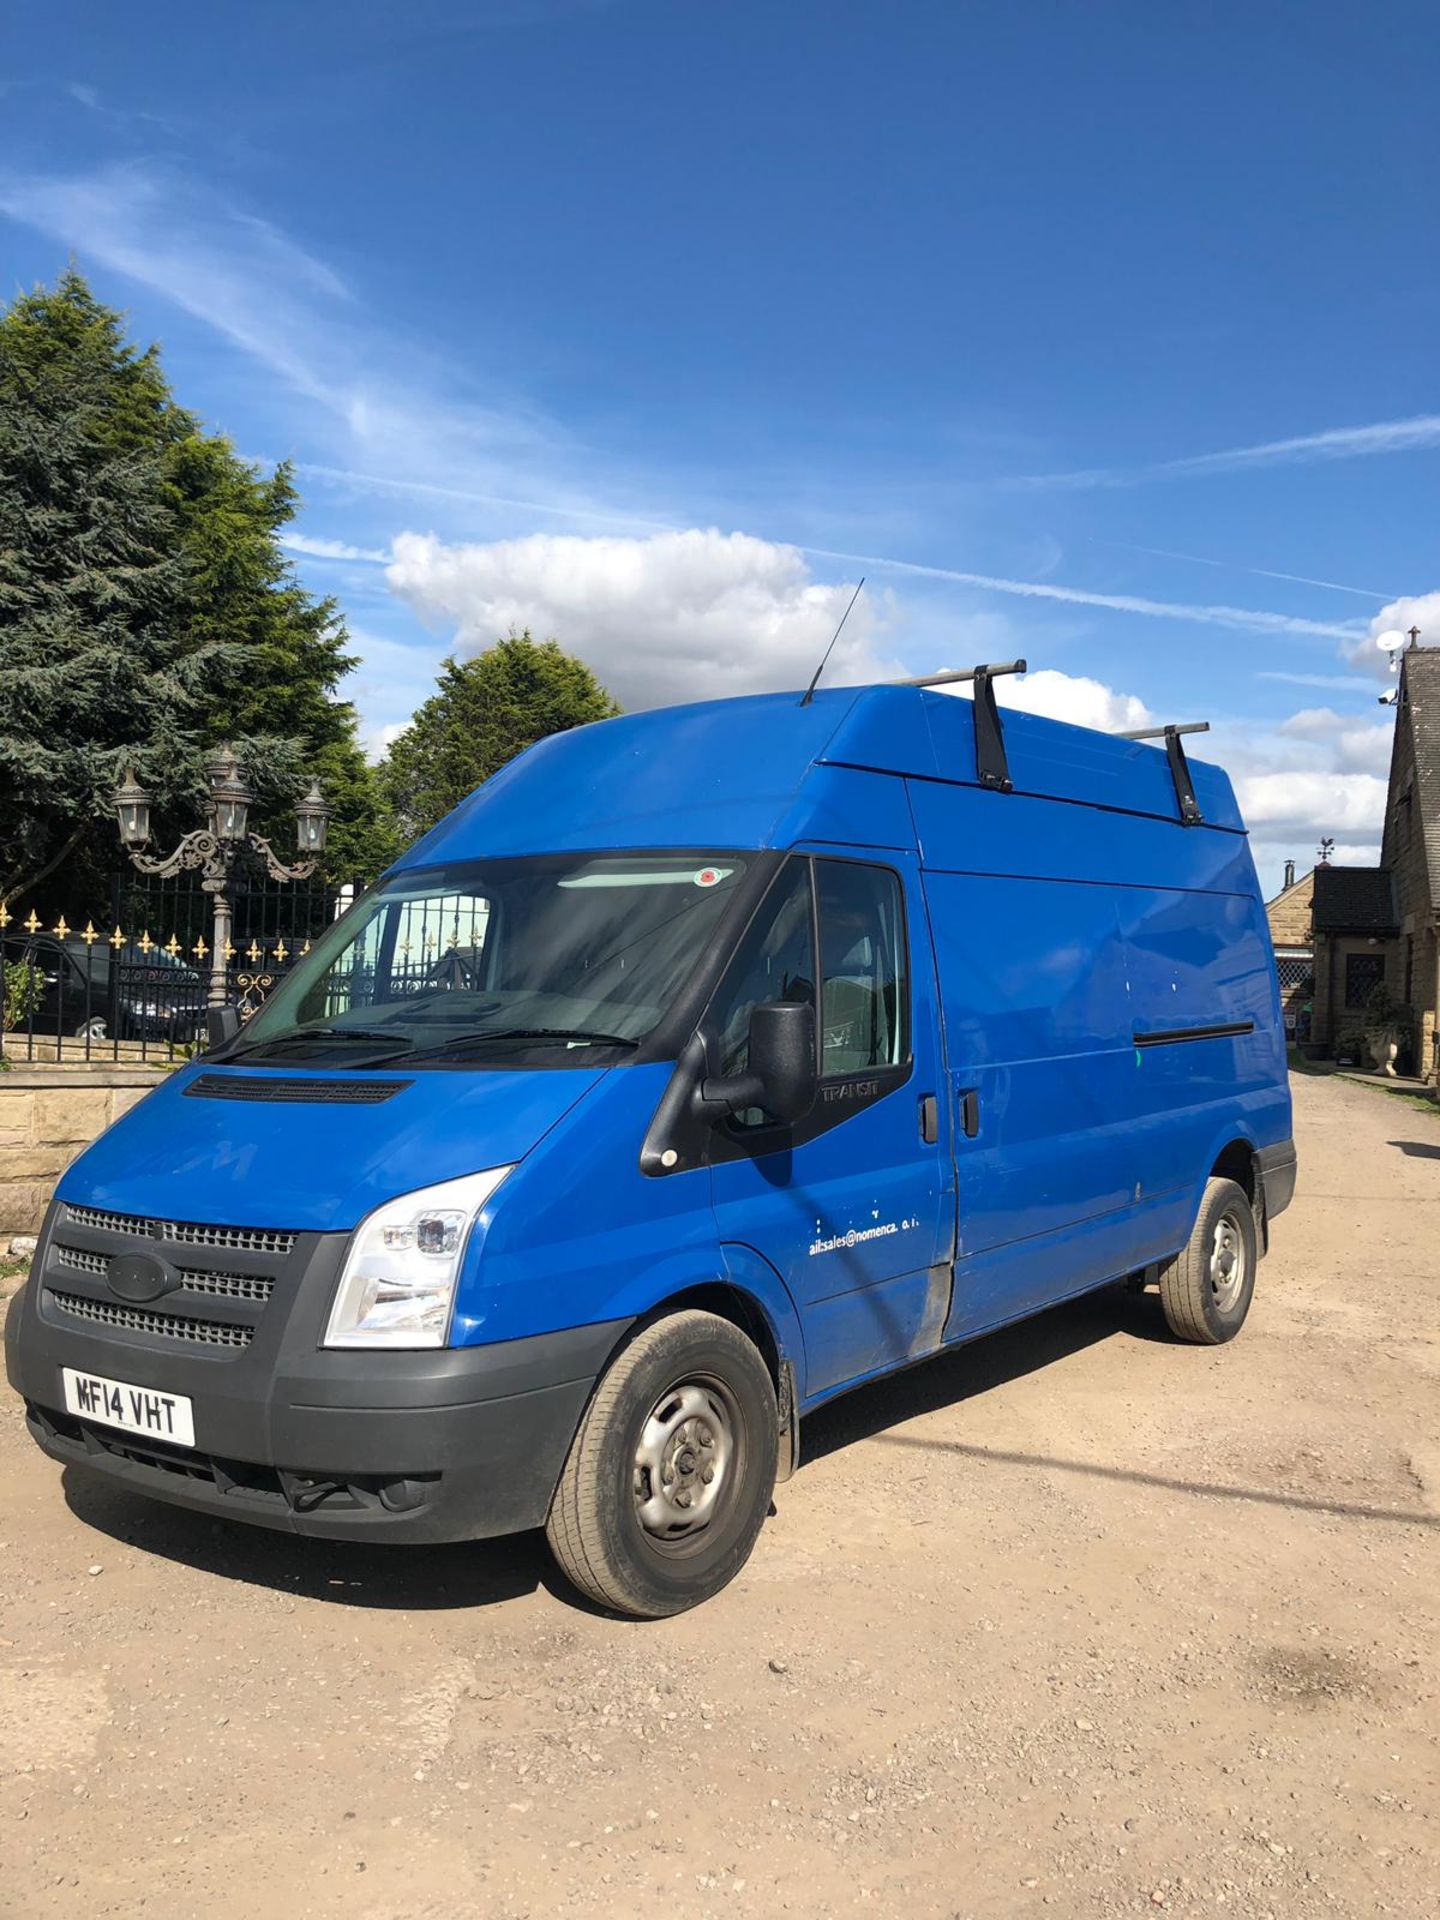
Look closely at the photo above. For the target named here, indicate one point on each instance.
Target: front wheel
(1207, 1288)
(669, 1478)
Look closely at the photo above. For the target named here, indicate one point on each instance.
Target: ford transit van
(703, 1064)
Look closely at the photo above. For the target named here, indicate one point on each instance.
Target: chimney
(1289, 873)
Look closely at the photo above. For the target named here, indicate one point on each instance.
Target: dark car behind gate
(131, 980)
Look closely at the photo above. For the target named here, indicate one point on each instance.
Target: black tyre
(670, 1475)
(1207, 1288)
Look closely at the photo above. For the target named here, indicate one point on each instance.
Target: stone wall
(47, 1115)
(1289, 913)
(1413, 975)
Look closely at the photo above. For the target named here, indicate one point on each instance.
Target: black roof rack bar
(964, 673)
(991, 765)
(1190, 814)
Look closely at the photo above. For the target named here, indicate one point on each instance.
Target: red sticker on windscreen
(709, 877)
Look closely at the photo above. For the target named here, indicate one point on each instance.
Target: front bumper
(456, 1444)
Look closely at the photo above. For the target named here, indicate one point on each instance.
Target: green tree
(484, 712)
(226, 643)
(288, 651)
(92, 673)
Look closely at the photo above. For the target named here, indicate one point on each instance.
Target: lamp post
(215, 847)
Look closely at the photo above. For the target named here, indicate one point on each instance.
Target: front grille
(185, 1233)
(173, 1326)
(219, 1293)
(109, 1222)
(82, 1260)
(231, 1286)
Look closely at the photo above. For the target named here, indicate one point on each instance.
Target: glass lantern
(230, 797)
(132, 806)
(312, 818)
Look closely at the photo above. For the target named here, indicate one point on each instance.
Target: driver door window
(864, 991)
(863, 988)
(776, 961)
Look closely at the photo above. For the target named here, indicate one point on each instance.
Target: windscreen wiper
(584, 1035)
(299, 1036)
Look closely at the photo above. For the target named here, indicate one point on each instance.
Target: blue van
(703, 1064)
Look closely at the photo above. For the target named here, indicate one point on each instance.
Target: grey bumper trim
(1277, 1173)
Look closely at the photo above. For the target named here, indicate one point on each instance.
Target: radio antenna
(809, 693)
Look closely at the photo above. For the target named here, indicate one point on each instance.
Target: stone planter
(1383, 1048)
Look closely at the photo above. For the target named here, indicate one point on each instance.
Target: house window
(1363, 973)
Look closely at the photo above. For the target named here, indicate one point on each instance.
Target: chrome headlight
(397, 1286)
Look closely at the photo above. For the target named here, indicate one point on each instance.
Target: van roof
(733, 773)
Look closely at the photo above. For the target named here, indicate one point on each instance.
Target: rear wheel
(1207, 1288)
(670, 1475)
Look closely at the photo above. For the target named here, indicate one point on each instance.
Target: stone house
(1290, 934)
(1382, 924)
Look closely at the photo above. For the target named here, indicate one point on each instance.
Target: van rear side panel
(1198, 962)
(1082, 951)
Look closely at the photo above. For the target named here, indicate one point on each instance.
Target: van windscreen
(560, 959)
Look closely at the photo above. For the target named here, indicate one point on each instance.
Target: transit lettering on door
(851, 1090)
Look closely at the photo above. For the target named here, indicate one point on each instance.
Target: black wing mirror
(222, 1024)
(781, 1077)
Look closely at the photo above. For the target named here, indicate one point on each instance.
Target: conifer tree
(115, 497)
(92, 672)
(483, 713)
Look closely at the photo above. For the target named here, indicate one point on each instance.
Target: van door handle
(929, 1119)
(970, 1112)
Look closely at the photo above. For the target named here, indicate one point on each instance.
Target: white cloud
(676, 616)
(1412, 610)
(389, 683)
(1238, 566)
(1333, 443)
(237, 273)
(381, 406)
(390, 486)
(1315, 775)
(1325, 682)
(1312, 804)
(1073, 697)
(1238, 619)
(318, 549)
(1352, 746)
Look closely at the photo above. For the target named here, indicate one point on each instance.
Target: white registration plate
(159, 1416)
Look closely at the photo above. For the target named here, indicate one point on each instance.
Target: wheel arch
(1239, 1160)
(751, 1296)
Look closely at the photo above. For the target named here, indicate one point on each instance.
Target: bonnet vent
(338, 1093)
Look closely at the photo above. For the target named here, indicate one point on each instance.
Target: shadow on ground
(408, 1579)
(482, 1573)
(983, 1365)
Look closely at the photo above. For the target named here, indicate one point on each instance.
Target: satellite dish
(1392, 642)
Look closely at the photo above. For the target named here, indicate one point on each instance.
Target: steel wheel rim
(1228, 1262)
(685, 1459)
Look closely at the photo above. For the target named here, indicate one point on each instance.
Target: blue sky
(1099, 334)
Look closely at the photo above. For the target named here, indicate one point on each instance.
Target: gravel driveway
(1075, 1621)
